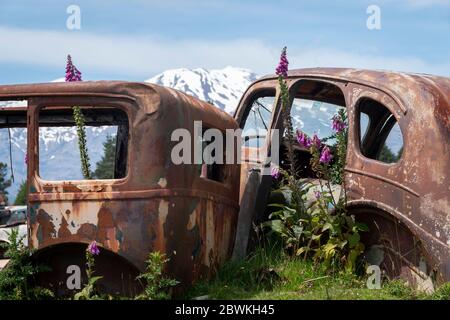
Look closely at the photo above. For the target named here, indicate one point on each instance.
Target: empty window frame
(380, 136)
(313, 106)
(257, 119)
(13, 148)
(107, 134)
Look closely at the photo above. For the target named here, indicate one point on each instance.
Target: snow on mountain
(59, 152)
(222, 87)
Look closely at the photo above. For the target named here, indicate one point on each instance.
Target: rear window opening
(380, 137)
(107, 134)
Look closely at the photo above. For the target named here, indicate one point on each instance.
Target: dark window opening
(379, 135)
(212, 170)
(107, 135)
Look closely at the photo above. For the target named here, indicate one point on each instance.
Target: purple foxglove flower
(316, 141)
(317, 194)
(325, 156)
(72, 73)
(303, 140)
(93, 249)
(282, 68)
(275, 173)
(338, 124)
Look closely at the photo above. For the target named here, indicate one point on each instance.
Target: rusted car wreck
(397, 172)
(187, 211)
(402, 193)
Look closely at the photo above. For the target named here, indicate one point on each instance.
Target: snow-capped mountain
(58, 146)
(222, 87)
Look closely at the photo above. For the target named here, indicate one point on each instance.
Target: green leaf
(353, 240)
(359, 226)
(327, 226)
(300, 251)
(93, 280)
(329, 250)
(277, 226)
(316, 237)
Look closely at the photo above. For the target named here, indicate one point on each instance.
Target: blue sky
(136, 39)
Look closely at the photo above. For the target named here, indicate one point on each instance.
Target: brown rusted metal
(413, 192)
(158, 206)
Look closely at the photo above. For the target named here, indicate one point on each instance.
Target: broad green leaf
(353, 240)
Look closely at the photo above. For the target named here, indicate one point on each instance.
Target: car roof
(412, 88)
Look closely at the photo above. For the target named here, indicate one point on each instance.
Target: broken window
(379, 135)
(257, 119)
(106, 140)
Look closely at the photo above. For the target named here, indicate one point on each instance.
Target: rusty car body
(154, 205)
(405, 201)
(197, 220)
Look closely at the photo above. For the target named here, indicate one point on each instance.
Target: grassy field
(270, 274)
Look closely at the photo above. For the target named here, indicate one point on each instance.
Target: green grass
(270, 274)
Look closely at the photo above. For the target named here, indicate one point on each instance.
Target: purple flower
(316, 141)
(26, 158)
(275, 172)
(338, 124)
(325, 156)
(282, 68)
(317, 194)
(303, 140)
(93, 249)
(72, 73)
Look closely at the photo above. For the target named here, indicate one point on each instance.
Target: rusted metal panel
(415, 191)
(158, 206)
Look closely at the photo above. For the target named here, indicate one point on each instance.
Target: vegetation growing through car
(157, 285)
(72, 75)
(321, 228)
(89, 291)
(16, 279)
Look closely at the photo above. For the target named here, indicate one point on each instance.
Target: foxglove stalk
(338, 124)
(73, 75)
(93, 248)
(316, 141)
(283, 65)
(275, 172)
(303, 140)
(325, 156)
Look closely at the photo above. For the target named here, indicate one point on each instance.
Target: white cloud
(142, 57)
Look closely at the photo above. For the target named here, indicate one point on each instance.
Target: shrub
(321, 228)
(16, 279)
(156, 284)
(89, 290)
